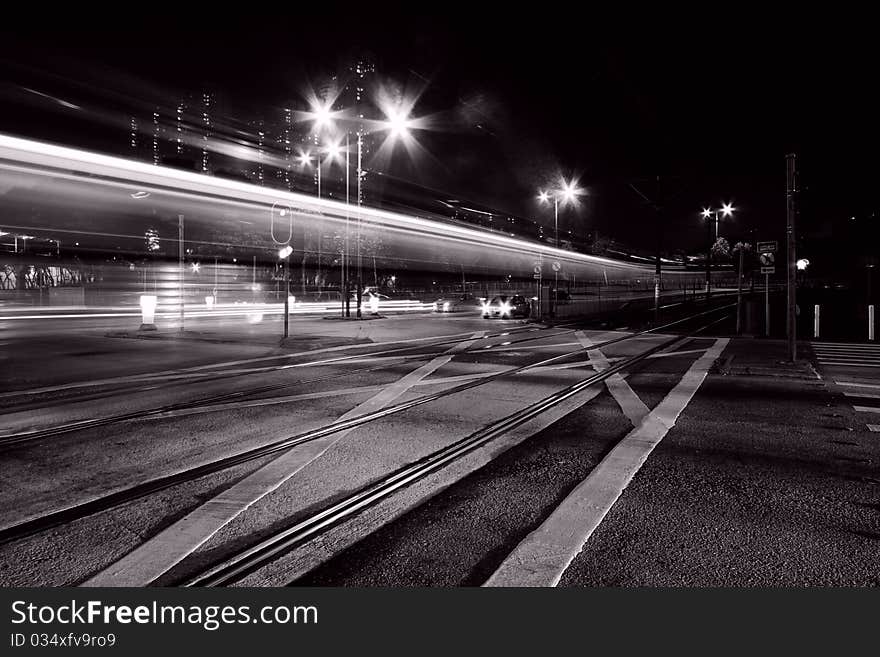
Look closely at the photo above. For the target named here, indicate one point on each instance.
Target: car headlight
(505, 307)
(446, 306)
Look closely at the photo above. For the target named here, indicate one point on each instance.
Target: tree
(721, 250)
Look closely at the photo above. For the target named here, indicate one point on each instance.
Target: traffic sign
(536, 275)
(768, 270)
(556, 265)
(768, 260)
(537, 269)
(768, 247)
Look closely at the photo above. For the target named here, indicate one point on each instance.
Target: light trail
(52, 160)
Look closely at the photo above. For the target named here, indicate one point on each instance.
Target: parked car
(460, 303)
(507, 306)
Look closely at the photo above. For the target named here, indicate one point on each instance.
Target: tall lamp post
(567, 193)
(726, 211)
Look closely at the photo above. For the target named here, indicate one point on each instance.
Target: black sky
(711, 106)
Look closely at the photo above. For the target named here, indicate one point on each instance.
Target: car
(507, 306)
(459, 303)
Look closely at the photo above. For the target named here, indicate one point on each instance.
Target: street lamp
(726, 210)
(568, 193)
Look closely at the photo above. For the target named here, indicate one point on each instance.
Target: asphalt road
(764, 479)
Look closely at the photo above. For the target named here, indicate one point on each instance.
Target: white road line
(863, 395)
(874, 427)
(168, 548)
(866, 409)
(629, 402)
(542, 557)
(848, 364)
(856, 384)
(846, 344)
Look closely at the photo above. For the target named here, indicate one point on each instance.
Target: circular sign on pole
(537, 269)
(767, 259)
(557, 266)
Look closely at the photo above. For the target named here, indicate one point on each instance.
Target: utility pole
(345, 285)
(658, 269)
(180, 265)
(790, 191)
(360, 287)
(709, 255)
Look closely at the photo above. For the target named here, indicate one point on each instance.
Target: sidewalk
(768, 478)
(763, 357)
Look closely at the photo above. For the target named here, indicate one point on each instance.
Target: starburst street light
(195, 267)
(333, 150)
(397, 121)
(568, 191)
(710, 214)
(321, 114)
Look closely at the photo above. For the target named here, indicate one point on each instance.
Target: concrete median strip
(543, 556)
(171, 546)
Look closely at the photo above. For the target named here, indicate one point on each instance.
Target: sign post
(767, 251)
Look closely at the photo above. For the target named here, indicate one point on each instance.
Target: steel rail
(138, 491)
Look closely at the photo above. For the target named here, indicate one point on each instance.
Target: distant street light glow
(397, 122)
(285, 252)
(322, 115)
(334, 150)
(707, 213)
(802, 264)
(195, 267)
(726, 210)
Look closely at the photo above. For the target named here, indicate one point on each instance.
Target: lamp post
(726, 211)
(567, 192)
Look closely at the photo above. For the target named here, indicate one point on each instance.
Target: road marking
(829, 362)
(856, 384)
(874, 427)
(157, 555)
(629, 402)
(867, 409)
(863, 395)
(305, 558)
(542, 557)
(846, 344)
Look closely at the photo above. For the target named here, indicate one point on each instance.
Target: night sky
(710, 107)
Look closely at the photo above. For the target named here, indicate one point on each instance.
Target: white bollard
(871, 322)
(148, 312)
(816, 321)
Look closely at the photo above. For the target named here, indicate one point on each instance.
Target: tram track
(244, 562)
(138, 491)
(13, 439)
